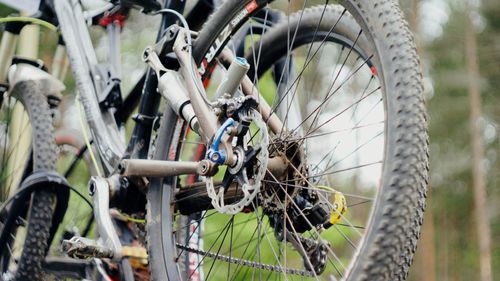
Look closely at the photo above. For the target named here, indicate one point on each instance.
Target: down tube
(82, 57)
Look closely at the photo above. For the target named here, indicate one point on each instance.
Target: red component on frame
(208, 72)
(118, 19)
(251, 6)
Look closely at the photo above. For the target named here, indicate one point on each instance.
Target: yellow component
(339, 207)
(138, 255)
(327, 188)
(134, 252)
(126, 217)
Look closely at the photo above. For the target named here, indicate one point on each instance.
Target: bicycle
(264, 175)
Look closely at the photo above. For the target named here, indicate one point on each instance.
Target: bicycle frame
(102, 124)
(83, 62)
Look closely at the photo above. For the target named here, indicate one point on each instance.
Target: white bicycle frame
(83, 60)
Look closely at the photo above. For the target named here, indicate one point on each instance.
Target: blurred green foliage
(451, 196)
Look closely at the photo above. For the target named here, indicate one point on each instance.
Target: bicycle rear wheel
(345, 81)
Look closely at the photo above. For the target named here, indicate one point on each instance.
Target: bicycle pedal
(84, 248)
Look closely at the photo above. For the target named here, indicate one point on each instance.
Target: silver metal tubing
(158, 168)
(88, 15)
(83, 59)
(232, 79)
(113, 30)
(206, 118)
(100, 189)
(172, 87)
(249, 89)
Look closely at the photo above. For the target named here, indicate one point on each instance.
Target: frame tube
(82, 57)
(249, 89)
(206, 118)
(158, 168)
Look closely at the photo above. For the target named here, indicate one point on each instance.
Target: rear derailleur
(299, 208)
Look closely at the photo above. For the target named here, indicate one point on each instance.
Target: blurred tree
(478, 175)
(452, 204)
(489, 53)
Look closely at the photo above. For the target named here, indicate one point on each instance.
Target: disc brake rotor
(249, 185)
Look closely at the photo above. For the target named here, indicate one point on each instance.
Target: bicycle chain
(247, 263)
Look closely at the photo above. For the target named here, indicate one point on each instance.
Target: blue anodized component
(214, 154)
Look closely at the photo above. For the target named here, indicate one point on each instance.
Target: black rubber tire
(394, 227)
(39, 216)
(391, 241)
(158, 222)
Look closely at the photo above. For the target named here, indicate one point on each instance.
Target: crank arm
(108, 245)
(100, 189)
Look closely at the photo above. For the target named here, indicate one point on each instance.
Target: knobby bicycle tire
(42, 204)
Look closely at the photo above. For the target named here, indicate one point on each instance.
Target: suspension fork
(7, 48)
(26, 39)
